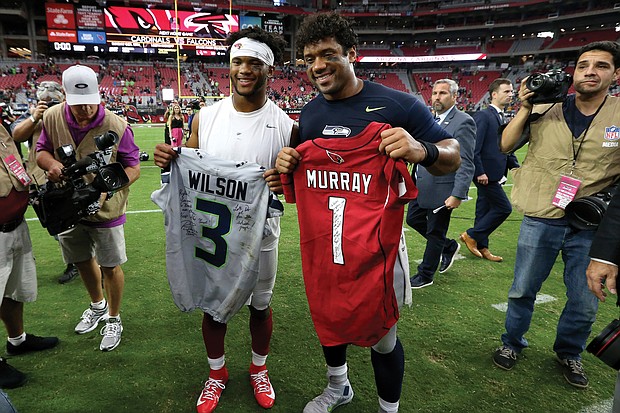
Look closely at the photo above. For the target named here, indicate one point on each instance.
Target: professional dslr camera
(550, 87)
(60, 206)
(587, 213)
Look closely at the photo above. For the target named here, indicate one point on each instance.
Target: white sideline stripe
(146, 211)
(540, 299)
(600, 407)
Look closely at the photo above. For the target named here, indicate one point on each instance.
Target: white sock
(258, 360)
(218, 363)
(388, 407)
(337, 376)
(99, 306)
(16, 341)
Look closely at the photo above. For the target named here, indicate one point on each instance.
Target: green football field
(449, 334)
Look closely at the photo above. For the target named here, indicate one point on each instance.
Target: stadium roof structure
(389, 31)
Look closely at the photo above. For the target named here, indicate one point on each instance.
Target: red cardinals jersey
(350, 201)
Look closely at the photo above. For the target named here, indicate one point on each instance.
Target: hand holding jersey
(396, 143)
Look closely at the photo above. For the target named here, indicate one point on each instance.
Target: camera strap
(585, 132)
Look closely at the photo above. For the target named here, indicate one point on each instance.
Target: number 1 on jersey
(336, 205)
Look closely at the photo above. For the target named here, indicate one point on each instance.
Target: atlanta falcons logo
(335, 157)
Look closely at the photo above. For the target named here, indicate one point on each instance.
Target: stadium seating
(578, 39)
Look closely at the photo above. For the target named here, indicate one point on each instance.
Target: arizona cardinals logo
(132, 20)
(335, 157)
(152, 21)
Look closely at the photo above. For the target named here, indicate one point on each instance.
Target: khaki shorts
(82, 242)
(18, 274)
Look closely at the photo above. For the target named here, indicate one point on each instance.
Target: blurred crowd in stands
(140, 84)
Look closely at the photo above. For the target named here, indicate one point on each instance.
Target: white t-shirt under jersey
(246, 136)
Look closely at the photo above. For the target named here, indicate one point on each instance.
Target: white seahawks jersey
(214, 216)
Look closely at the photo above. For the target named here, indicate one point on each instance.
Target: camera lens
(606, 346)
(537, 82)
(111, 179)
(108, 139)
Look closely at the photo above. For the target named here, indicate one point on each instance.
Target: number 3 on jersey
(336, 205)
(216, 234)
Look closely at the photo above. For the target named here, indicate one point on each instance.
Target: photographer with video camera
(28, 127)
(75, 130)
(573, 152)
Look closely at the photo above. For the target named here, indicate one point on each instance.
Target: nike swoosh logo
(369, 109)
(271, 126)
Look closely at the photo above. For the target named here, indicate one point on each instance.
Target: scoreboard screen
(115, 29)
(75, 28)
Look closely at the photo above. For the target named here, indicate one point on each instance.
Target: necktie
(502, 118)
(437, 119)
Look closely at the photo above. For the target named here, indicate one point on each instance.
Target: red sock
(261, 330)
(213, 334)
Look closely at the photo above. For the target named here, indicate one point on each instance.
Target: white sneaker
(90, 319)
(111, 333)
(330, 399)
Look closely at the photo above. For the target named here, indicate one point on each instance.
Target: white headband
(252, 48)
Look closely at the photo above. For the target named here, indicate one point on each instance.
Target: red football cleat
(210, 396)
(263, 390)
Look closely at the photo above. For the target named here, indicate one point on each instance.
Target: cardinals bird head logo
(335, 157)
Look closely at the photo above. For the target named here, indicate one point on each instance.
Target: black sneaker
(10, 377)
(573, 372)
(70, 274)
(505, 358)
(32, 343)
(420, 282)
(447, 259)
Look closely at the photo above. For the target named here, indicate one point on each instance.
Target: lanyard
(576, 154)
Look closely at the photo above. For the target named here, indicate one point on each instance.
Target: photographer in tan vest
(18, 275)
(573, 152)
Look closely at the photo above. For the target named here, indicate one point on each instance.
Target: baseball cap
(81, 86)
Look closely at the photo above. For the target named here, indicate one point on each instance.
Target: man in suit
(603, 268)
(429, 214)
(492, 204)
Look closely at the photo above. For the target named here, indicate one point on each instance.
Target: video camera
(550, 87)
(60, 206)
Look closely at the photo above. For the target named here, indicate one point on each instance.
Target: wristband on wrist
(34, 121)
(432, 153)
